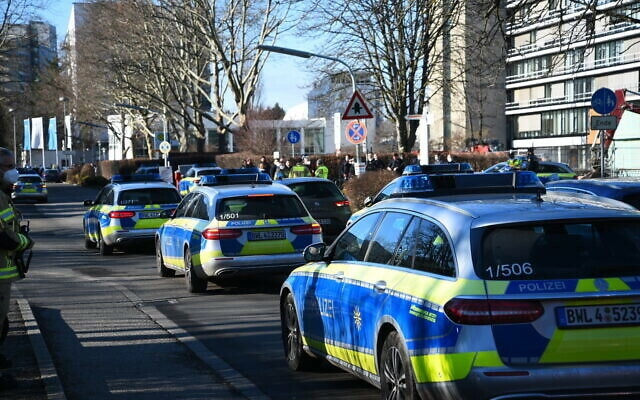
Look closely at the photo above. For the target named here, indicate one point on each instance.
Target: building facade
(559, 54)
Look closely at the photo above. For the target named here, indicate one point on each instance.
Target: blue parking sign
(603, 101)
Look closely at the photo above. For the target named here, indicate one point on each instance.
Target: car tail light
(310, 229)
(344, 203)
(122, 214)
(487, 312)
(219, 234)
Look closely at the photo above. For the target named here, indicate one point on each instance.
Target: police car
(625, 189)
(127, 211)
(230, 226)
(30, 187)
(475, 296)
(192, 177)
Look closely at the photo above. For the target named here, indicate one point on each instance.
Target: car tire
(396, 373)
(105, 249)
(297, 358)
(88, 243)
(195, 284)
(163, 271)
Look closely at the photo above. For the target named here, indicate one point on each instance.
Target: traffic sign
(357, 108)
(355, 132)
(603, 101)
(604, 123)
(164, 147)
(293, 137)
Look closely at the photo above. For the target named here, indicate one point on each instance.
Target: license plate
(324, 221)
(150, 214)
(267, 235)
(602, 315)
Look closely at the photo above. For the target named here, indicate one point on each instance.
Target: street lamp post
(15, 143)
(306, 54)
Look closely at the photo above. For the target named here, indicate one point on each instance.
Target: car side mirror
(87, 203)
(368, 201)
(167, 213)
(314, 252)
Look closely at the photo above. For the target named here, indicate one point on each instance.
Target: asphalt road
(115, 330)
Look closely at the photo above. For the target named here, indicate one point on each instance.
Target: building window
(608, 53)
(314, 141)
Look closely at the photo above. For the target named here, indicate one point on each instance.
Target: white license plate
(601, 315)
(267, 235)
(151, 214)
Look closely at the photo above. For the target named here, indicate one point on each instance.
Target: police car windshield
(577, 250)
(148, 196)
(260, 207)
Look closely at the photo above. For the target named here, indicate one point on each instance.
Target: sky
(284, 78)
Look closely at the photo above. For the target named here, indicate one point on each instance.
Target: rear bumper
(222, 267)
(604, 381)
(122, 238)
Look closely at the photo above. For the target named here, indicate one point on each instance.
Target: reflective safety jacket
(11, 240)
(322, 172)
(299, 170)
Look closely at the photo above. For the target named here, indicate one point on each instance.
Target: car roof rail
(235, 179)
(429, 185)
(129, 178)
(414, 169)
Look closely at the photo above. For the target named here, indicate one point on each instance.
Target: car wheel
(195, 284)
(162, 270)
(88, 243)
(396, 374)
(297, 358)
(105, 249)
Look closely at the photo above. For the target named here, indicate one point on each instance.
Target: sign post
(356, 133)
(293, 137)
(357, 109)
(603, 101)
(165, 148)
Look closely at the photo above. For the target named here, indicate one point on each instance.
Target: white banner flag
(67, 131)
(37, 135)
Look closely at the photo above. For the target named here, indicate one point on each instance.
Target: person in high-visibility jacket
(299, 170)
(322, 171)
(12, 244)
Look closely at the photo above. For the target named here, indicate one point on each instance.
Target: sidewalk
(25, 348)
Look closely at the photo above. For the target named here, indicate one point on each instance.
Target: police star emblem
(357, 317)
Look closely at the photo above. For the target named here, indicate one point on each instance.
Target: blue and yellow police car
(127, 211)
(499, 295)
(234, 225)
(191, 178)
(30, 187)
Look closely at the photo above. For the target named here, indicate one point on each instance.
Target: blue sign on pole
(603, 101)
(293, 137)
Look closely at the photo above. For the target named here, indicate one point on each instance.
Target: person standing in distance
(12, 244)
(321, 171)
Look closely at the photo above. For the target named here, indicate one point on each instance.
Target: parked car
(30, 187)
(233, 229)
(547, 170)
(51, 175)
(479, 296)
(128, 211)
(626, 189)
(325, 201)
(191, 178)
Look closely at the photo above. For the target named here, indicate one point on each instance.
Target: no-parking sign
(356, 132)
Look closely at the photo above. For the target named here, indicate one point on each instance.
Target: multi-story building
(559, 54)
(30, 48)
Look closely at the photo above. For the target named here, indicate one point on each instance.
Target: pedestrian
(264, 165)
(347, 169)
(532, 160)
(322, 171)
(12, 244)
(396, 165)
(300, 169)
(286, 168)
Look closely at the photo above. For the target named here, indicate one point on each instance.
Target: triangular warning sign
(357, 108)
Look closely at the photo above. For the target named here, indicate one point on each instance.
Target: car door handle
(380, 286)
(339, 276)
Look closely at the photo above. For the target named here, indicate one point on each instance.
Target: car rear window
(148, 196)
(594, 249)
(317, 190)
(30, 179)
(260, 207)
